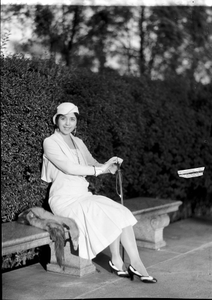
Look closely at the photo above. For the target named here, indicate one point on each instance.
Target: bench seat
(19, 237)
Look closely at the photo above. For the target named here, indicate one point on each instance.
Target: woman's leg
(115, 254)
(129, 243)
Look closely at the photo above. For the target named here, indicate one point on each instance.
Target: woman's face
(67, 123)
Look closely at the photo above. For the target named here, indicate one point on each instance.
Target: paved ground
(183, 269)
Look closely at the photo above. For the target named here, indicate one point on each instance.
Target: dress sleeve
(54, 153)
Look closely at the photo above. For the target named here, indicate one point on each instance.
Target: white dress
(100, 219)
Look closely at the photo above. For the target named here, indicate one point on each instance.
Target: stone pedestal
(73, 264)
(152, 216)
(149, 231)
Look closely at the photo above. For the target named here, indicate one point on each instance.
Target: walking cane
(121, 196)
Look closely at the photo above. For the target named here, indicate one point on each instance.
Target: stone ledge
(152, 216)
(18, 237)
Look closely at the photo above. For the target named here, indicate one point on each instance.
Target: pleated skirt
(100, 220)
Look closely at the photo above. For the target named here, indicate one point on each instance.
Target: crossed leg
(127, 239)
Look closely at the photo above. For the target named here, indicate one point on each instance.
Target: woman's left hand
(114, 160)
(113, 164)
(112, 169)
(109, 167)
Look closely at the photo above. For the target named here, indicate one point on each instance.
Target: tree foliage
(159, 41)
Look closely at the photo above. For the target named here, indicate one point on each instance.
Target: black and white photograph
(106, 149)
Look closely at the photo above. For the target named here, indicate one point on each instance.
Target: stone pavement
(183, 269)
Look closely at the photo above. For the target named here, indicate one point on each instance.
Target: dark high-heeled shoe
(118, 272)
(146, 279)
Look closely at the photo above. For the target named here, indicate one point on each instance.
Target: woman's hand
(110, 166)
(112, 169)
(115, 160)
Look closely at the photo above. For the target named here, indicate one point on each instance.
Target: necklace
(76, 152)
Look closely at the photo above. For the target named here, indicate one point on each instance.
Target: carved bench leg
(149, 230)
(74, 265)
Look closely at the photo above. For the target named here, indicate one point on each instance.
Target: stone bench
(18, 237)
(152, 216)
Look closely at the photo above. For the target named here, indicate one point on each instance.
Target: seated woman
(102, 222)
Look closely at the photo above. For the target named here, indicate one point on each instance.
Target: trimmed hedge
(156, 127)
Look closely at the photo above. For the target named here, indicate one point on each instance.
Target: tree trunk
(67, 49)
(142, 46)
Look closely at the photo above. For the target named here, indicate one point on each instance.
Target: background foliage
(157, 127)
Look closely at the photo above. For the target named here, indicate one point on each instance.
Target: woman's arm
(54, 153)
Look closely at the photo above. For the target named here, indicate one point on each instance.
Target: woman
(102, 222)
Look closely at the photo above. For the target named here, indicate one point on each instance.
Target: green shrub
(156, 127)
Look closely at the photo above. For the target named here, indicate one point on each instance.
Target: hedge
(156, 127)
